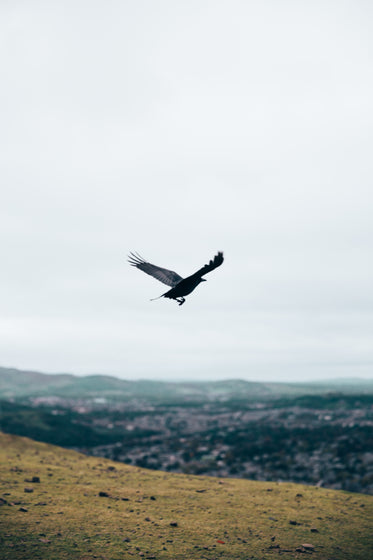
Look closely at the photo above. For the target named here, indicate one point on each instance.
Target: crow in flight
(180, 287)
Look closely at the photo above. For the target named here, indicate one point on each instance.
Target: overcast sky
(178, 129)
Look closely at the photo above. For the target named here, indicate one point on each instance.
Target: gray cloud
(178, 130)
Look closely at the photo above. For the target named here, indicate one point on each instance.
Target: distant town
(324, 438)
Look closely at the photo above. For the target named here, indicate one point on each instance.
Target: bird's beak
(203, 280)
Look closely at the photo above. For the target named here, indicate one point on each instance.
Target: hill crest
(61, 504)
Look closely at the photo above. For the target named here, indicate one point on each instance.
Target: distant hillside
(63, 505)
(16, 383)
(67, 429)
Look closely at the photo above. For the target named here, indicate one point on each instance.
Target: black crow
(180, 287)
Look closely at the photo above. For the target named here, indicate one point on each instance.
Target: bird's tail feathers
(157, 297)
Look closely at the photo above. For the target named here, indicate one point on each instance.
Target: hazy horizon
(200, 379)
(179, 130)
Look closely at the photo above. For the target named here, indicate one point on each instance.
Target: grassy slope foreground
(58, 504)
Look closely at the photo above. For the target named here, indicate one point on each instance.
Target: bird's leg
(180, 301)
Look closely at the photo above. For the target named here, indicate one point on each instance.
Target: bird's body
(184, 287)
(180, 287)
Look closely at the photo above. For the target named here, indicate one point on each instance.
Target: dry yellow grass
(155, 515)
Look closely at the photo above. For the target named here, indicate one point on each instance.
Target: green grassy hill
(58, 504)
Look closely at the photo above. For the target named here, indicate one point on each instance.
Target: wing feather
(168, 277)
(214, 263)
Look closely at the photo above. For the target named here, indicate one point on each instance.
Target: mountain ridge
(17, 383)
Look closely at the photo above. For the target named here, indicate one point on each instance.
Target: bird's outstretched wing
(168, 277)
(214, 263)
